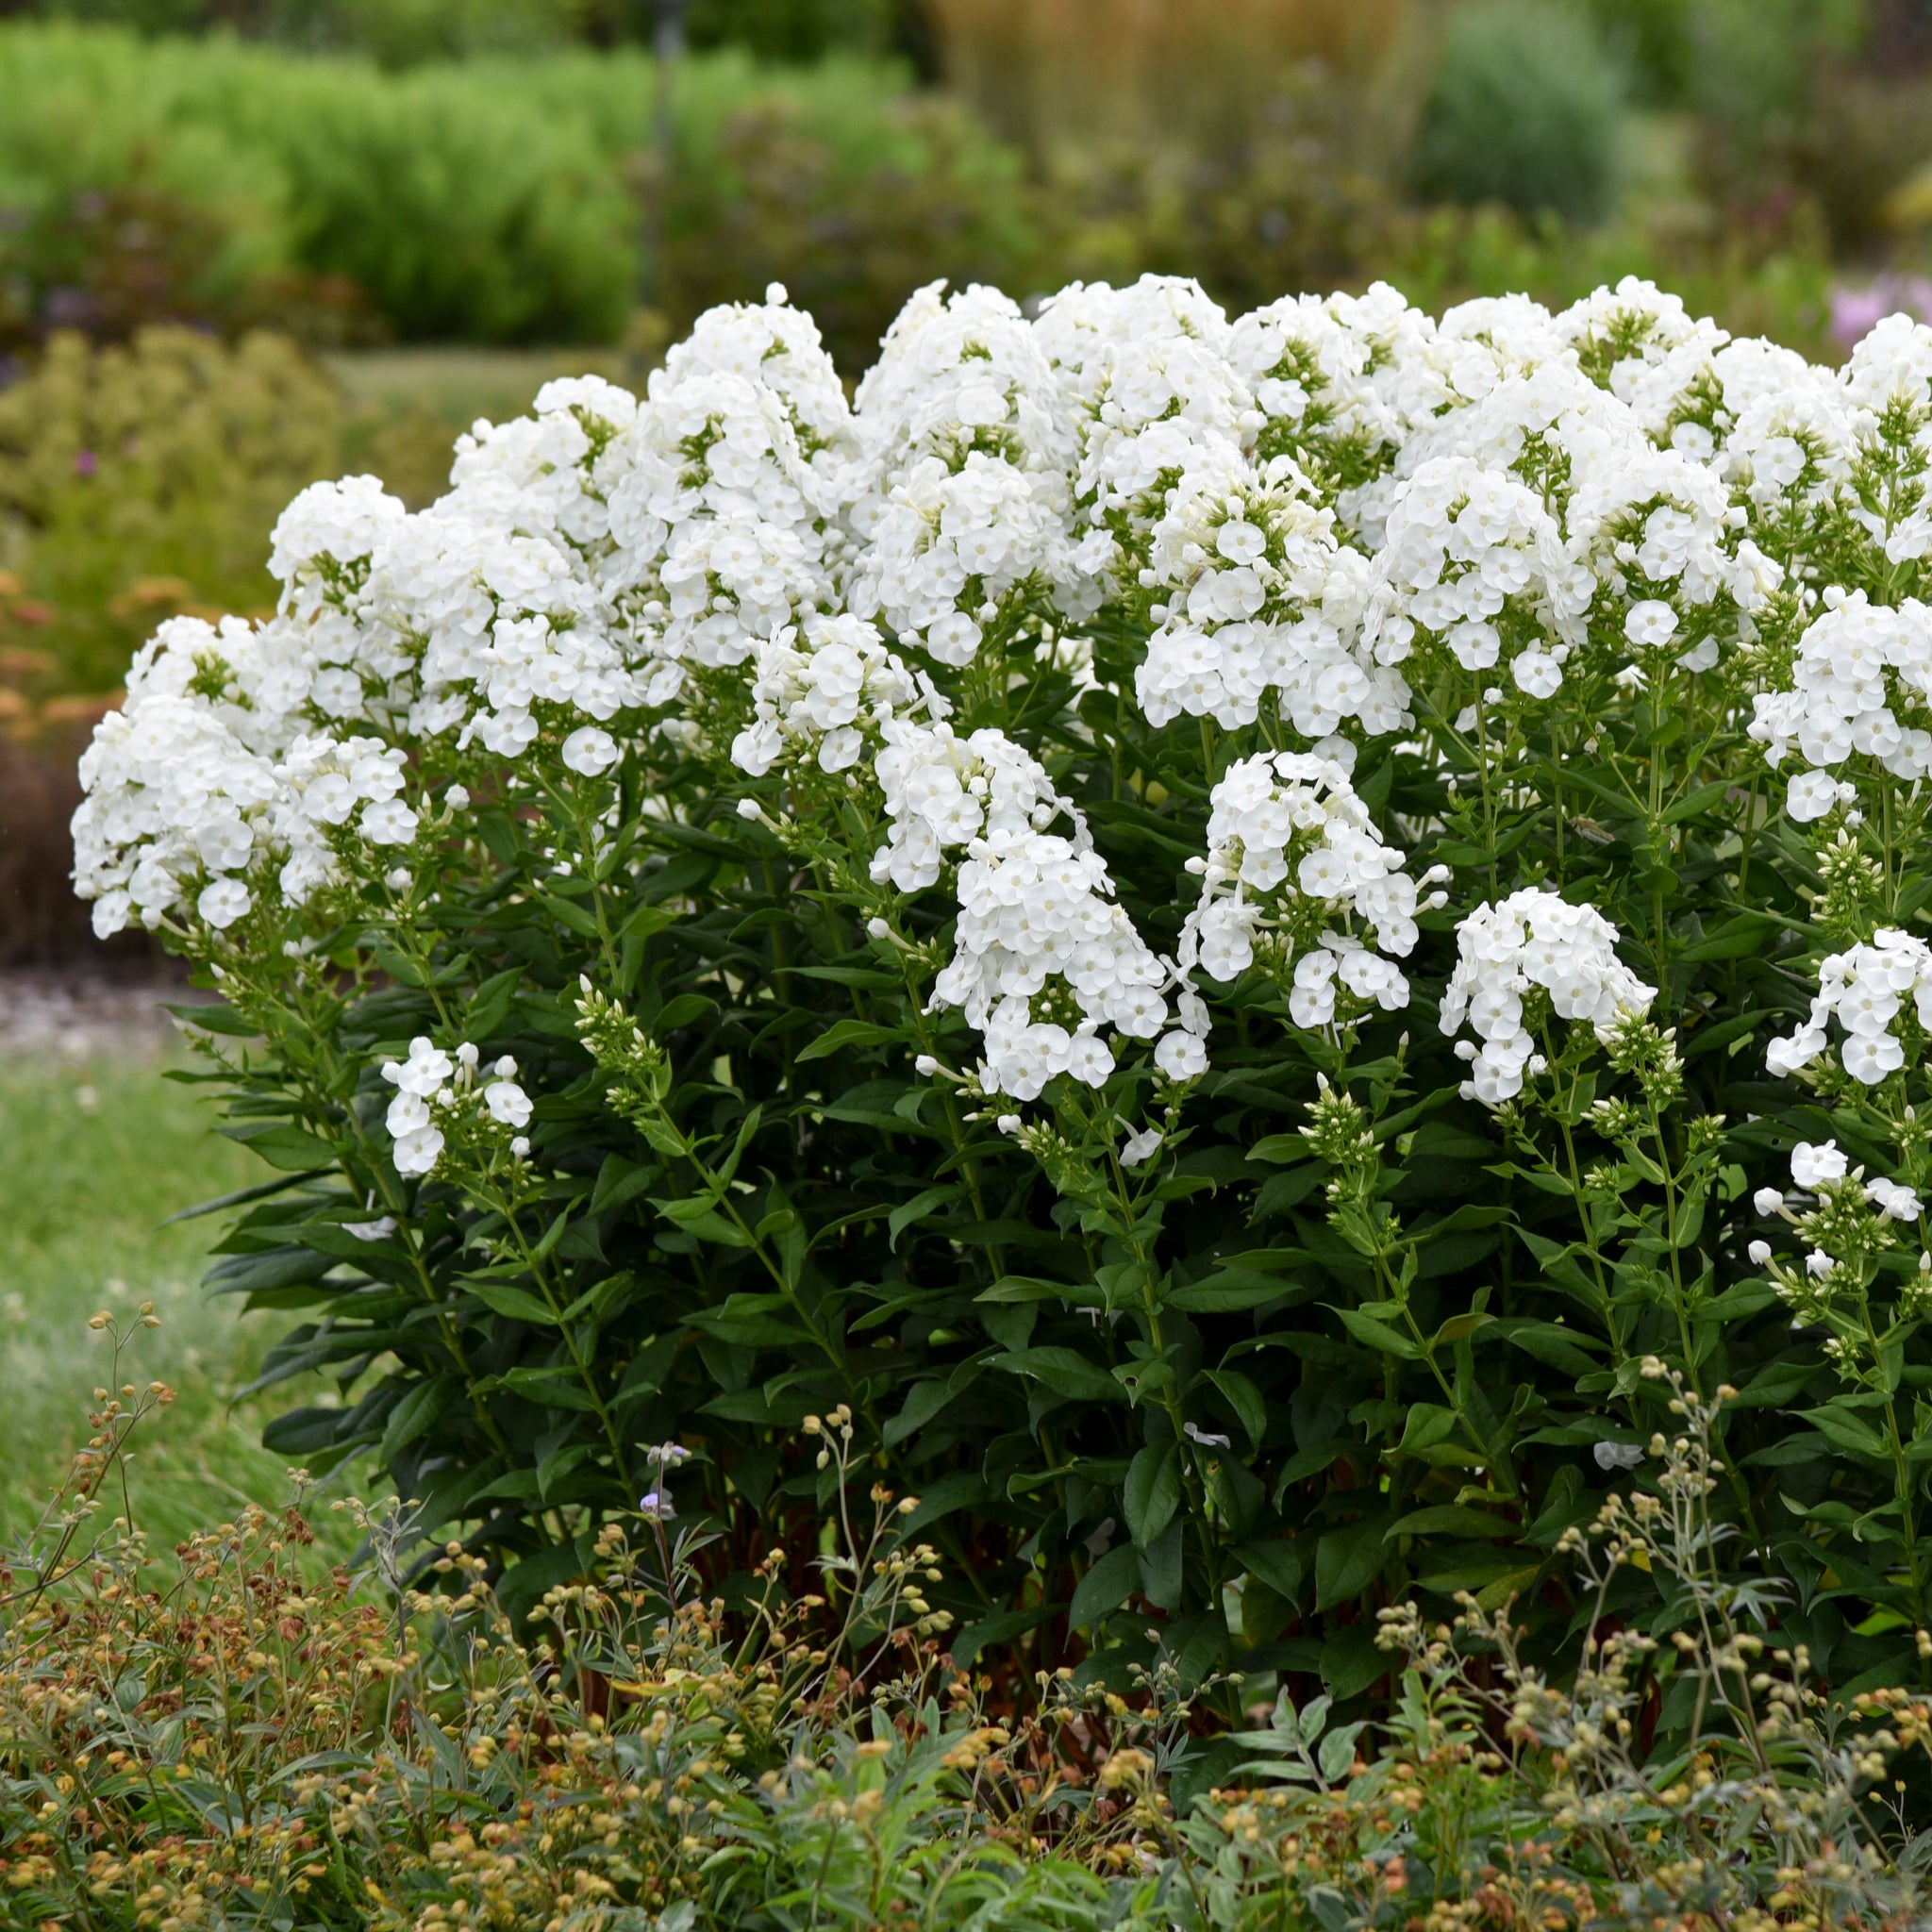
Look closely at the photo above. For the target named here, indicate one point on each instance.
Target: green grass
(93, 1158)
(458, 385)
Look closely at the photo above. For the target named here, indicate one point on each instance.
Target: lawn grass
(95, 1155)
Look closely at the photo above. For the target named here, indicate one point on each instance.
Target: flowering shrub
(1218, 927)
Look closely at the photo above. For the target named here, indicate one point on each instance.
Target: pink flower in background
(84, 462)
(1855, 312)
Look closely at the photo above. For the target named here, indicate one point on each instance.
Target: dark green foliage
(792, 29)
(1525, 111)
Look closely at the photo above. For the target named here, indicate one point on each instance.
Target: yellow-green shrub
(137, 478)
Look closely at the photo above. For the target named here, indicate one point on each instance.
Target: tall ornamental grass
(1256, 941)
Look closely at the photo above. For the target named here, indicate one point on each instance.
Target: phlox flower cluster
(950, 552)
(1466, 543)
(1258, 596)
(1865, 988)
(1037, 912)
(1043, 957)
(941, 792)
(1310, 375)
(440, 1094)
(1843, 1218)
(196, 796)
(961, 375)
(1858, 666)
(1295, 858)
(823, 696)
(1533, 938)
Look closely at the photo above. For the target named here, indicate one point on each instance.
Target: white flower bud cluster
(829, 699)
(440, 1093)
(1292, 854)
(1860, 666)
(1532, 939)
(1865, 988)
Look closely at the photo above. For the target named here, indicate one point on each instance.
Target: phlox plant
(1217, 928)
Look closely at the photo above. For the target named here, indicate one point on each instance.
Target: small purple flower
(655, 1507)
(85, 462)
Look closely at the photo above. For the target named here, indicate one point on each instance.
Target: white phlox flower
(826, 696)
(1474, 574)
(1293, 862)
(1862, 686)
(1258, 596)
(1043, 958)
(951, 554)
(941, 792)
(1866, 989)
(440, 1094)
(959, 376)
(1533, 938)
(1311, 377)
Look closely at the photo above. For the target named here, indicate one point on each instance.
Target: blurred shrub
(779, 206)
(1754, 73)
(1526, 111)
(137, 477)
(1654, 41)
(1772, 282)
(483, 201)
(1864, 136)
(1288, 209)
(402, 33)
(1050, 73)
(792, 29)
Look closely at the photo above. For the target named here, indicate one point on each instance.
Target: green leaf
(1230, 1290)
(1062, 1371)
(924, 1402)
(417, 1413)
(1845, 1432)
(1283, 1149)
(1153, 1491)
(1347, 1560)
(519, 1303)
(1277, 1564)
(1374, 1334)
(903, 1217)
(849, 1033)
(1426, 1425)
(1450, 1519)
(1740, 938)
(1460, 1328)
(1243, 1398)
(1106, 1587)
(281, 1145)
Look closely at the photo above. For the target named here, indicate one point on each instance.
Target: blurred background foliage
(247, 243)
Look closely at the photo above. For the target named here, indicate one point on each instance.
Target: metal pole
(667, 48)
